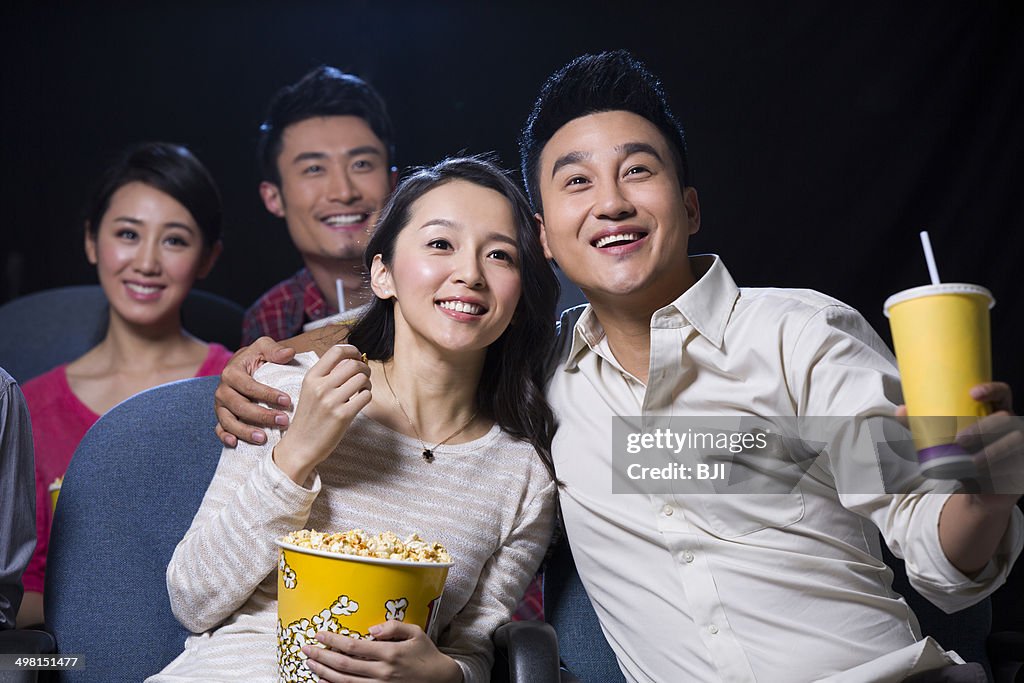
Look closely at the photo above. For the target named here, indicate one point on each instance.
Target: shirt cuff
(940, 581)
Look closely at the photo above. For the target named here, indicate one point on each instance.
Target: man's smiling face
(335, 178)
(614, 215)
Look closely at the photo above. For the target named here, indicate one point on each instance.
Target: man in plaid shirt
(327, 152)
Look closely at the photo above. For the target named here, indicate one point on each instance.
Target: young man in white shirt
(746, 587)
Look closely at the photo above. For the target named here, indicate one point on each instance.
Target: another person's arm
(845, 369)
(238, 399)
(240, 417)
(972, 526)
(17, 506)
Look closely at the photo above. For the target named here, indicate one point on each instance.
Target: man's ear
(380, 279)
(272, 199)
(209, 259)
(692, 204)
(543, 236)
(90, 246)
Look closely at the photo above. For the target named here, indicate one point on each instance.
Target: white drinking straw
(928, 256)
(340, 290)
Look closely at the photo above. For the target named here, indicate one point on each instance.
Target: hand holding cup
(996, 443)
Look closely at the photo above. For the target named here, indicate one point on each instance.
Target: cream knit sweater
(489, 501)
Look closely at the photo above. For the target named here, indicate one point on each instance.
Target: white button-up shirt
(786, 587)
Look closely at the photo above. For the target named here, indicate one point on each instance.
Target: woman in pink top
(152, 229)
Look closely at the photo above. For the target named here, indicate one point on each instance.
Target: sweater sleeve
(503, 579)
(229, 549)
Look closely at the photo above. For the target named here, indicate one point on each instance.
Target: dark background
(822, 135)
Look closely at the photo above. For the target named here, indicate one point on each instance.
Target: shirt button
(688, 556)
(667, 510)
(712, 629)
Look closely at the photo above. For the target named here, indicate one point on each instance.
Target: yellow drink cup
(347, 594)
(54, 490)
(943, 348)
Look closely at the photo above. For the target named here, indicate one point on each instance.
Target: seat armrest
(1006, 655)
(27, 641)
(531, 650)
(23, 641)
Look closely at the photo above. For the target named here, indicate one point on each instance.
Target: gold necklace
(428, 453)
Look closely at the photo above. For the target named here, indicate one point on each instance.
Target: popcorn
(385, 546)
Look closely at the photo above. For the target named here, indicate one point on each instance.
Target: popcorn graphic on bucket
(347, 582)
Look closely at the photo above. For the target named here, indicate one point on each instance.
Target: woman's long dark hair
(511, 390)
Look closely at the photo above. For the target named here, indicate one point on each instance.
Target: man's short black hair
(324, 91)
(609, 81)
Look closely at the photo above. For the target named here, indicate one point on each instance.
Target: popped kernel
(385, 546)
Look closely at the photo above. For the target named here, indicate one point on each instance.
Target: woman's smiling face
(148, 252)
(455, 271)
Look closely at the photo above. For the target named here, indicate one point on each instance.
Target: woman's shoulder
(522, 456)
(286, 377)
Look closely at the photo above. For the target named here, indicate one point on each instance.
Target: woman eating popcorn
(452, 443)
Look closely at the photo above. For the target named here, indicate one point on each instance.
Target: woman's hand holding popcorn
(400, 652)
(334, 390)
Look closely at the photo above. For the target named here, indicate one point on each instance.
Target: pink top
(59, 421)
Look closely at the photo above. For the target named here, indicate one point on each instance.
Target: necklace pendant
(428, 455)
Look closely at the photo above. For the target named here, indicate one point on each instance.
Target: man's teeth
(462, 307)
(346, 219)
(142, 289)
(625, 237)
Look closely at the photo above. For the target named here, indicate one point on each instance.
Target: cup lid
(933, 290)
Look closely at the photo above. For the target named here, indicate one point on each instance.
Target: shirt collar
(706, 305)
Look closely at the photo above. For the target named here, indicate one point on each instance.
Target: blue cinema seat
(44, 329)
(133, 487)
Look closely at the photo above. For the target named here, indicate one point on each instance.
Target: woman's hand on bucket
(401, 652)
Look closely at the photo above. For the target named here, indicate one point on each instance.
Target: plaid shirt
(284, 309)
(531, 607)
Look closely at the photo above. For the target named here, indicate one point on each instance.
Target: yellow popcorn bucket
(54, 490)
(347, 594)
